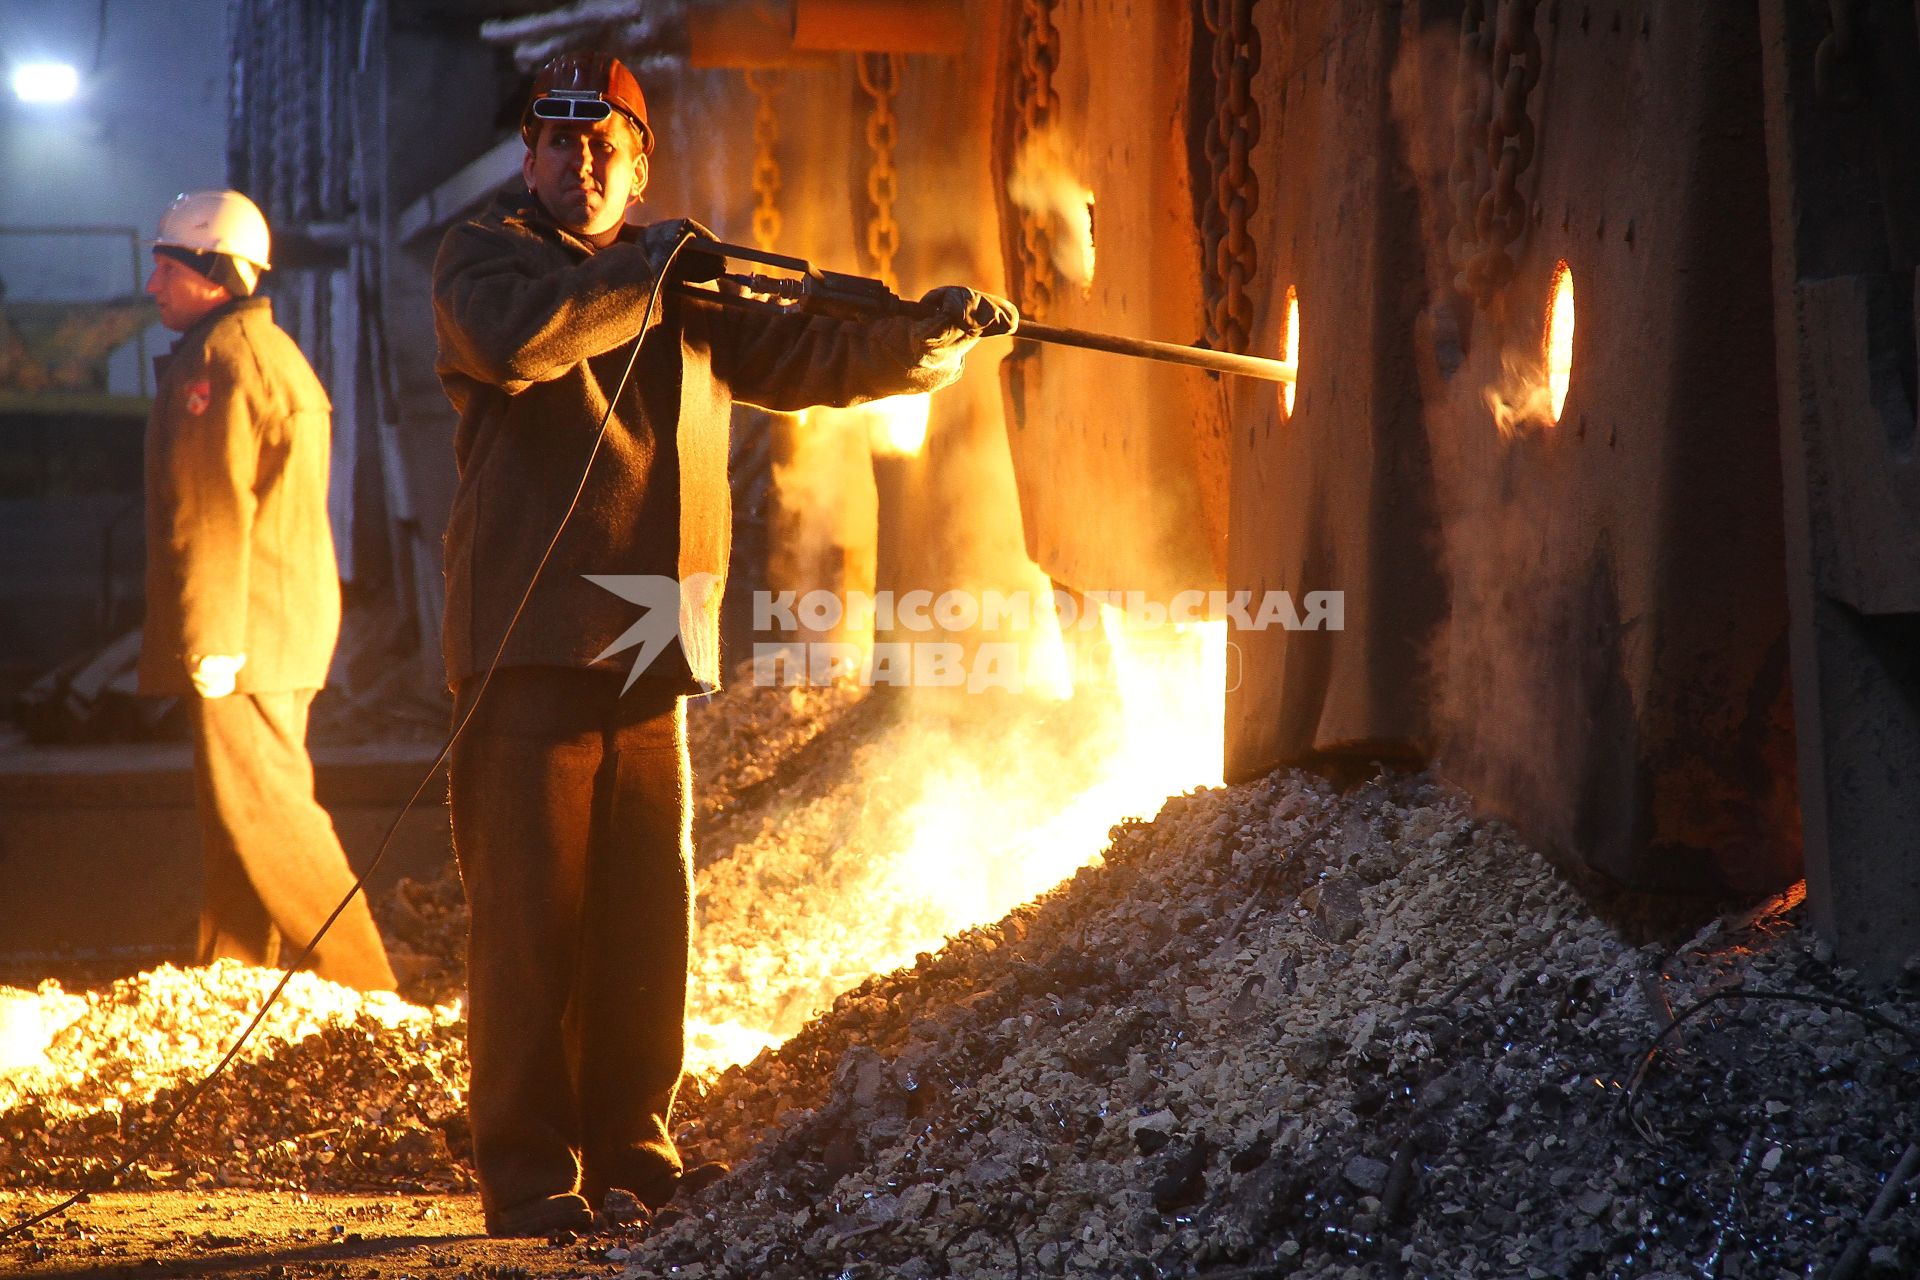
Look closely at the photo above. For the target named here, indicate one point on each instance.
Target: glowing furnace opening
(1557, 341)
(1290, 347)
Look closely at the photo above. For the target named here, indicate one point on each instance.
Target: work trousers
(572, 826)
(274, 869)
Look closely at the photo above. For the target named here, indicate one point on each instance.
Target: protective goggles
(583, 106)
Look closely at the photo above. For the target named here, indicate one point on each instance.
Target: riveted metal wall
(1619, 684)
(1121, 464)
(1582, 622)
(1337, 494)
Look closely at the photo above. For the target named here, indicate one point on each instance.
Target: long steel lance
(1147, 349)
(811, 290)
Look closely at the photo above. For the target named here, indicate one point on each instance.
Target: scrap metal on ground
(1279, 1029)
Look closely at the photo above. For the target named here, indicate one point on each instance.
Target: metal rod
(865, 296)
(1172, 352)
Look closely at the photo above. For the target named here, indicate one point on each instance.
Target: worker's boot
(546, 1216)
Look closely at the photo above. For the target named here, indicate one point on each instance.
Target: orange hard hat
(585, 87)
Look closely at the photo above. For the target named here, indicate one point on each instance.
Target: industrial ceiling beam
(803, 34)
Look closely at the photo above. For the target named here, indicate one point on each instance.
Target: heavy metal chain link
(1836, 63)
(1472, 110)
(1231, 256)
(880, 77)
(1493, 142)
(1038, 104)
(766, 160)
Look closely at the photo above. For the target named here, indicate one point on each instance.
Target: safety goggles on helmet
(580, 105)
(584, 89)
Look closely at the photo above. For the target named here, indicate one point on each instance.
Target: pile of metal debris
(1276, 1030)
(1282, 1031)
(336, 1090)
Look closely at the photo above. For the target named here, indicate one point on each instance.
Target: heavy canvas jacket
(239, 550)
(535, 327)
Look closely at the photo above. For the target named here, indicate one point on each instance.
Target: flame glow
(1558, 340)
(1290, 347)
(897, 425)
(159, 1028)
(1532, 389)
(29, 1021)
(1043, 184)
(950, 821)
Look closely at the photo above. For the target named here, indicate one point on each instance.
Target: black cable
(1630, 1099)
(100, 41)
(199, 1090)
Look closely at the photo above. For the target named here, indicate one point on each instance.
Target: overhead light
(45, 82)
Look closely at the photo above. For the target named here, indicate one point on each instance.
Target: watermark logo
(659, 621)
(926, 661)
(956, 611)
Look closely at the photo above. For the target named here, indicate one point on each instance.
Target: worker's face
(183, 294)
(587, 176)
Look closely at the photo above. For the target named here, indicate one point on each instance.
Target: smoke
(1521, 398)
(1505, 713)
(947, 806)
(1043, 184)
(822, 535)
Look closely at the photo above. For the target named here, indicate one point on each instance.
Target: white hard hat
(218, 222)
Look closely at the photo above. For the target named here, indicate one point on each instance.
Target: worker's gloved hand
(960, 314)
(694, 263)
(214, 674)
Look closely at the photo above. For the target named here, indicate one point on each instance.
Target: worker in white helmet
(243, 595)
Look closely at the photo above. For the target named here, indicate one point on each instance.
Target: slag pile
(336, 1090)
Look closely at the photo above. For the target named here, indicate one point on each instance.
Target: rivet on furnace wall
(1627, 235)
(1600, 228)
(1290, 347)
(1536, 213)
(1586, 17)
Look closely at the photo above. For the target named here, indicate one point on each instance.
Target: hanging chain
(1493, 142)
(1231, 257)
(880, 77)
(766, 160)
(1472, 110)
(1037, 104)
(1837, 72)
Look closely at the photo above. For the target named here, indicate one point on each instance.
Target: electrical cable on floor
(1856, 1252)
(1629, 1100)
(199, 1090)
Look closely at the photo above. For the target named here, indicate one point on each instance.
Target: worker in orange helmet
(570, 783)
(243, 595)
